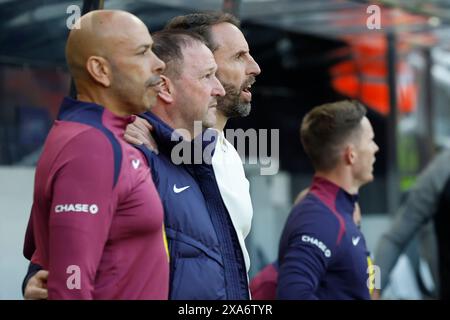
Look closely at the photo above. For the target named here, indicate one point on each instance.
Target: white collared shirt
(234, 189)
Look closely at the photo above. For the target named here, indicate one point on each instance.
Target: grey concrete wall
(16, 192)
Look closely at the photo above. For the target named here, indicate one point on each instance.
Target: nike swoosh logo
(135, 163)
(355, 240)
(178, 190)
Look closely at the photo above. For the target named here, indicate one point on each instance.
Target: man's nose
(218, 89)
(253, 67)
(159, 66)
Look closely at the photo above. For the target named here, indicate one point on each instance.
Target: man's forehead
(228, 37)
(367, 126)
(133, 40)
(199, 57)
(207, 65)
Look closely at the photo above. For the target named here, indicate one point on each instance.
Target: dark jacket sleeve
(310, 249)
(29, 245)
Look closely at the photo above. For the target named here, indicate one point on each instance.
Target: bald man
(97, 220)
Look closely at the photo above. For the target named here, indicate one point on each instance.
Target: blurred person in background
(426, 208)
(323, 254)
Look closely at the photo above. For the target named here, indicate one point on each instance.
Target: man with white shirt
(236, 71)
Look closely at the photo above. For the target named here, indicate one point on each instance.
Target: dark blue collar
(92, 114)
(71, 107)
(162, 132)
(167, 138)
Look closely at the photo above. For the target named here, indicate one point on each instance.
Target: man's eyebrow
(241, 52)
(144, 46)
(210, 69)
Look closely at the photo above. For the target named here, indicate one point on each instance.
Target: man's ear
(350, 154)
(166, 92)
(100, 70)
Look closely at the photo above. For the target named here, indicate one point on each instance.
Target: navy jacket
(322, 253)
(206, 258)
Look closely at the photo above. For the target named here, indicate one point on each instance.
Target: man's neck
(341, 179)
(221, 121)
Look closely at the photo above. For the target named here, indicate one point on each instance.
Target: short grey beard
(230, 104)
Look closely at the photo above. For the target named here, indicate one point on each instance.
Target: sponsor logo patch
(77, 207)
(317, 243)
